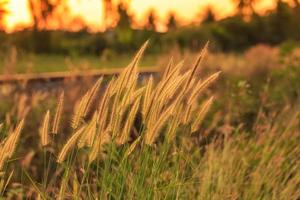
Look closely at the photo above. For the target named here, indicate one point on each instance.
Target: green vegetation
(13, 62)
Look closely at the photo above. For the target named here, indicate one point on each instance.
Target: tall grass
(129, 140)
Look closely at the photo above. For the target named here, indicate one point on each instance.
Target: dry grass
(143, 140)
(8, 146)
(44, 130)
(58, 113)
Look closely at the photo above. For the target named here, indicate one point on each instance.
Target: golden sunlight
(91, 12)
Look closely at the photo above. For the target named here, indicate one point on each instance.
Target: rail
(55, 76)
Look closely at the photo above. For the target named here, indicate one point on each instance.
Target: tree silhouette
(3, 12)
(281, 21)
(172, 23)
(243, 6)
(209, 15)
(42, 11)
(150, 24)
(124, 18)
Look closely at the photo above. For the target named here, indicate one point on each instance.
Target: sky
(91, 11)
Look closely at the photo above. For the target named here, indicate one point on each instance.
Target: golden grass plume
(44, 130)
(58, 113)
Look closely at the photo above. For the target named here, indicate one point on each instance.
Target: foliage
(234, 33)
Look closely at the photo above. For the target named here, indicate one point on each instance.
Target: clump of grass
(251, 168)
(133, 140)
(58, 113)
(83, 106)
(128, 112)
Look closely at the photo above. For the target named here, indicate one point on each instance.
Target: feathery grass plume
(122, 101)
(174, 105)
(171, 89)
(114, 115)
(151, 118)
(102, 107)
(175, 122)
(137, 94)
(121, 81)
(168, 69)
(4, 140)
(153, 131)
(103, 121)
(127, 127)
(16, 133)
(203, 111)
(174, 72)
(58, 113)
(133, 65)
(91, 130)
(132, 80)
(9, 145)
(132, 147)
(87, 138)
(92, 94)
(79, 112)
(169, 79)
(84, 104)
(4, 149)
(112, 90)
(120, 104)
(102, 139)
(130, 70)
(197, 64)
(70, 143)
(201, 86)
(159, 90)
(168, 98)
(147, 96)
(188, 111)
(192, 85)
(44, 130)
(167, 91)
(125, 102)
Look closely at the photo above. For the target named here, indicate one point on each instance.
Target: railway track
(59, 76)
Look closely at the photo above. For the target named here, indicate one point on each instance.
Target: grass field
(54, 63)
(221, 127)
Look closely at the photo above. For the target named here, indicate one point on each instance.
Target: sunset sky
(92, 13)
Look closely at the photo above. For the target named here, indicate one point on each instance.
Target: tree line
(246, 27)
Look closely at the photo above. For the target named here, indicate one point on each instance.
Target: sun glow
(91, 12)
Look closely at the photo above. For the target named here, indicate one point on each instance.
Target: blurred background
(52, 35)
